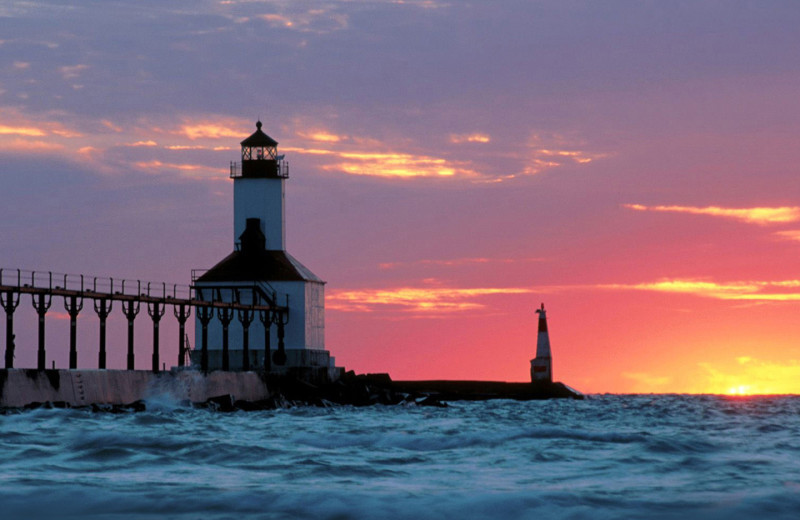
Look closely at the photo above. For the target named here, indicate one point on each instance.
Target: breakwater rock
(373, 389)
(121, 391)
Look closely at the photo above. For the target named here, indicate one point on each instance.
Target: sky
(453, 164)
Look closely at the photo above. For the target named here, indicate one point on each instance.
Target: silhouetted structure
(542, 364)
(260, 260)
(74, 289)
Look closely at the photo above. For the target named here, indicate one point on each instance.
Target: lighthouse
(260, 271)
(542, 364)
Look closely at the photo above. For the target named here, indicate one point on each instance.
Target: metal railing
(42, 286)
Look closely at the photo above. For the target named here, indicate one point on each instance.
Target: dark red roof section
(264, 265)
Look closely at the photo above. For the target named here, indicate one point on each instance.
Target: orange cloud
(546, 152)
(209, 130)
(277, 20)
(399, 165)
(111, 126)
(458, 262)
(424, 300)
(321, 136)
(197, 147)
(739, 290)
(65, 133)
(469, 138)
(162, 166)
(758, 215)
(389, 165)
(792, 234)
(316, 20)
(26, 145)
(21, 130)
(545, 159)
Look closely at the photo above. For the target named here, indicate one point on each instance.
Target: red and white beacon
(542, 364)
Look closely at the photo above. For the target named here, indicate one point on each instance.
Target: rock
(136, 406)
(431, 401)
(221, 403)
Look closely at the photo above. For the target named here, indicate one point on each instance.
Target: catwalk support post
(73, 306)
(225, 316)
(130, 309)
(10, 302)
(182, 313)
(245, 318)
(103, 308)
(204, 314)
(156, 312)
(282, 319)
(266, 318)
(41, 302)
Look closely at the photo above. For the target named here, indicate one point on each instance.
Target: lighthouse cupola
(260, 157)
(258, 189)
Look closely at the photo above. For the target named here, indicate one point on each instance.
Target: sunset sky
(631, 164)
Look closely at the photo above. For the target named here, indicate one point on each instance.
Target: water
(605, 457)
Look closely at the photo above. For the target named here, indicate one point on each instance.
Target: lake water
(604, 457)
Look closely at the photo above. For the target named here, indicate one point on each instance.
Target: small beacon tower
(542, 364)
(259, 265)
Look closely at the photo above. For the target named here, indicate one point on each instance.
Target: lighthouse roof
(259, 138)
(264, 265)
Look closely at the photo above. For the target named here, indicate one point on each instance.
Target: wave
(216, 504)
(427, 441)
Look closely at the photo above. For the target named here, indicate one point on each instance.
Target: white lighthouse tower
(542, 364)
(260, 270)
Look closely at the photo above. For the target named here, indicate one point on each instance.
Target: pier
(133, 296)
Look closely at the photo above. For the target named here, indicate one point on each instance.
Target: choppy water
(605, 457)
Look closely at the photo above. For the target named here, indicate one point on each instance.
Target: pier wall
(20, 387)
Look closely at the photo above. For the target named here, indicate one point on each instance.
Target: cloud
(321, 136)
(111, 147)
(418, 300)
(27, 145)
(469, 138)
(388, 164)
(399, 165)
(775, 291)
(111, 126)
(72, 71)
(758, 215)
(196, 147)
(21, 130)
(210, 130)
(544, 153)
(182, 167)
(791, 234)
(458, 262)
(317, 20)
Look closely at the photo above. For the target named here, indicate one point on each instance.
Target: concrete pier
(21, 387)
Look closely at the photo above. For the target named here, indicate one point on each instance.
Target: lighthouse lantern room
(259, 188)
(260, 270)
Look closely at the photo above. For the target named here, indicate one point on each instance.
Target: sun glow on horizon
(739, 390)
